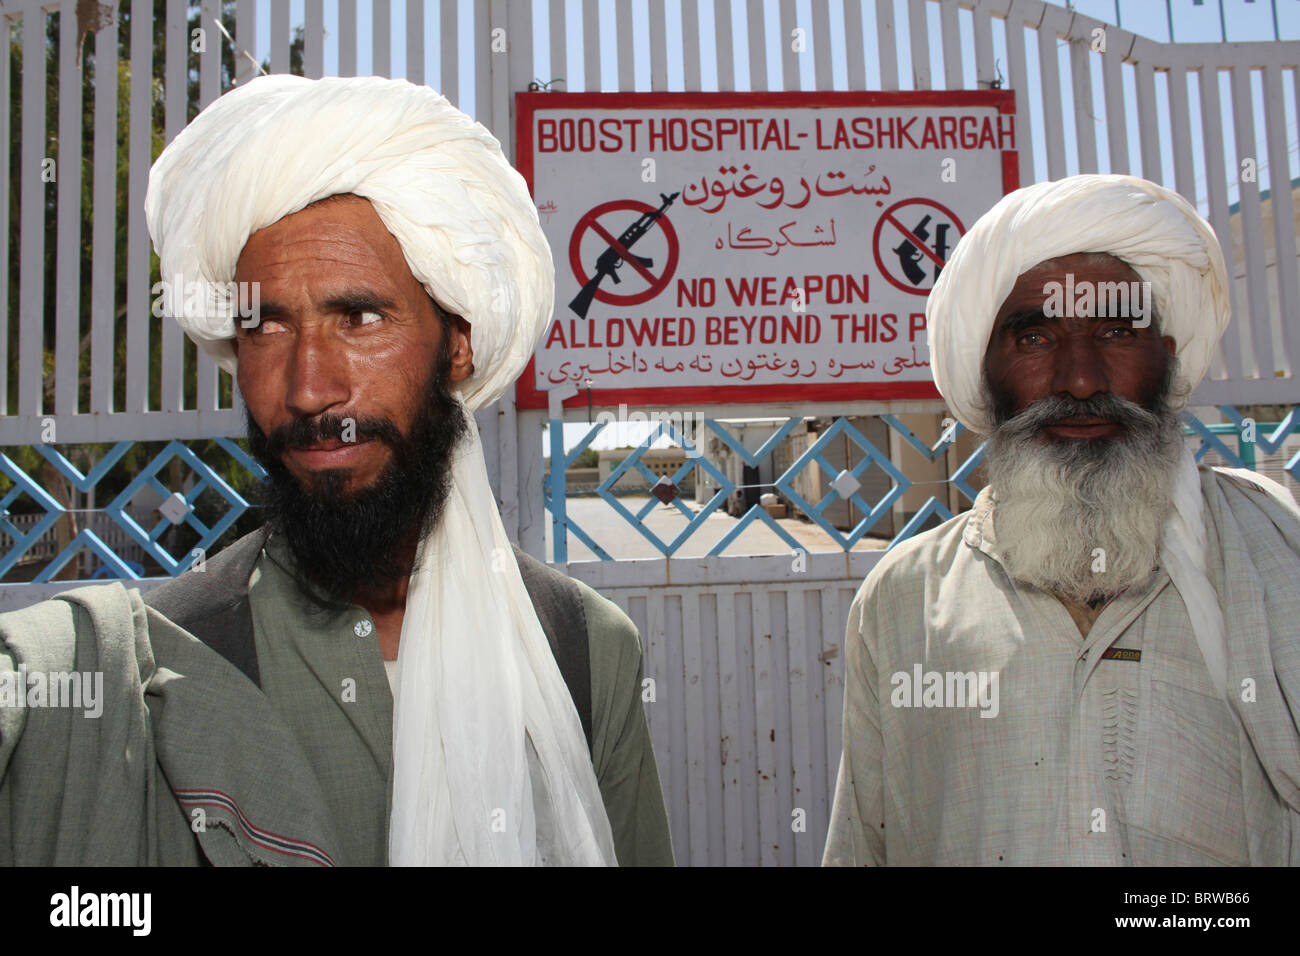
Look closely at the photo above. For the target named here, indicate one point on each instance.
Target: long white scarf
(477, 689)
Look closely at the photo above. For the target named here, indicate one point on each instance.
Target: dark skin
(1031, 357)
(345, 328)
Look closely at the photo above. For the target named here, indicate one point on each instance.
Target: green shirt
(324, 676)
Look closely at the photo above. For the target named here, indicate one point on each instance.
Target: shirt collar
(978, 532)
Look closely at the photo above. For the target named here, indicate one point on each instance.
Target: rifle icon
(610, 260)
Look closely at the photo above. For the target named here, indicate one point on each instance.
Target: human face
(344, 330)
(1030, 356)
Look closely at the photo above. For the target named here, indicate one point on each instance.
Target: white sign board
(716, 248)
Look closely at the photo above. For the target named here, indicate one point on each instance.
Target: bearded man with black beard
(376, 676)
(341, 542)
(1049, 678)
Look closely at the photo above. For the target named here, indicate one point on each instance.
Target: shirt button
(363, 628)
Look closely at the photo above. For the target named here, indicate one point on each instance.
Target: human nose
(317, 379)
(1080, 370)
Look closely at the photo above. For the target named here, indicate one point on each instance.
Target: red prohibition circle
(885, 217)
(589, 220)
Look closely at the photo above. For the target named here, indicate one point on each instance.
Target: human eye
(265, 327)
(1033, 338)
(359, 318)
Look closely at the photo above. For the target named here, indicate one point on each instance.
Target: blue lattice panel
(146, 533)
(1269, 439)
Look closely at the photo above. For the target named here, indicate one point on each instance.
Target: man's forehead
(340, 230)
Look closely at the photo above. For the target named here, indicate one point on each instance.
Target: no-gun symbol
(617, 253)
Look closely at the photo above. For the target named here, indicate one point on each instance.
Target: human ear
(460, 349)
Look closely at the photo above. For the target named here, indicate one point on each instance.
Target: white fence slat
(659, 47)
(313, 40)
(31, 266)
(1148, 121)
(798, 728)
(245, 33)
(919, 34)
(67, 333)
(789, 20)
(623, 39)
(985, 73)
(137, 247)
(757, 45)
(769, 802)
(1085, 122)
(834, 619)
(886, 45)
(280, 37)
(690, 74)
(728, 691)
(209, 59)
(449, 59)
(1112, 80)
(821, 46)
(1217, 198)
(699, 755)
(675, 669)
(591, 45)
(415, 41)
(784, 757)
(7, 135)
(209, 90)
(723, 46)
(815, 616)
(103, 261)
(1049, 71)
(382, 39)
(748, 762)
(348, 37)
(1284, 244)
(855, 45)
(533, 516)
(954, 77)
(1252, 226)
(708, 636)
(1180, 124)
(175, 116)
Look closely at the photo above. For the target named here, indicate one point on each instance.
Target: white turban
(437, 179)
(1153, 229)
(1167, 243)
(482, 717)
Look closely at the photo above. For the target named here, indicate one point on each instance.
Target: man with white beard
(1048, 679)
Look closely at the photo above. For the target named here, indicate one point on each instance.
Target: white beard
(1083, 519)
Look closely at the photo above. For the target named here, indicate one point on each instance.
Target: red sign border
(528, 396)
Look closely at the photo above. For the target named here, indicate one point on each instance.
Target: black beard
(342, 542)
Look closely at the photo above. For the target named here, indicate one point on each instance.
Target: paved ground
(612, 532)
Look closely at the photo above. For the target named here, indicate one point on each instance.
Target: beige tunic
(1127, 759)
